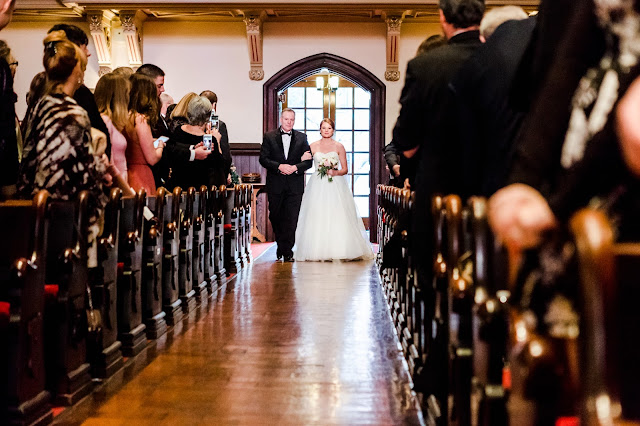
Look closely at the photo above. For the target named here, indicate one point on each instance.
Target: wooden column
(393, 42)
(132, 29)
(253, 22)
(100, 27)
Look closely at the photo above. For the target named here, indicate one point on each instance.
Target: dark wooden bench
(103, 347)
(66, 278)
(185, 273)
(210, 239)
(152, 314)
(198, 278)
(23, 398)
(219, 243)
(231, 236)
(131, 329)
(171, 302)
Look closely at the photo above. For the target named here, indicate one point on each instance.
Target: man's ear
(6, 6)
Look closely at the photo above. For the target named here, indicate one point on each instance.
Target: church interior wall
(205, 55)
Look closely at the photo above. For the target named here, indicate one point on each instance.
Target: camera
(207, 140)
(215, 121)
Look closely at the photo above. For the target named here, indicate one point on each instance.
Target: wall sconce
(333, 83)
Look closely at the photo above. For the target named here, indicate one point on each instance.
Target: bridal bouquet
(325, 166)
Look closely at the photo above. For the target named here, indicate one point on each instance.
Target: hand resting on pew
(628, 126)
(519, 215)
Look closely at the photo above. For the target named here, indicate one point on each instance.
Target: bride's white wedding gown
(329, 226)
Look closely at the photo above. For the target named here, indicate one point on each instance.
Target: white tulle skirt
(329, 227)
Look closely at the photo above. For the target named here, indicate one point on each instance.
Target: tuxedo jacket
(272, 155)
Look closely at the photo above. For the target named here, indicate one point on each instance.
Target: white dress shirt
(286, 143)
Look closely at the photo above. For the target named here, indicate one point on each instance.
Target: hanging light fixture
(334, 82)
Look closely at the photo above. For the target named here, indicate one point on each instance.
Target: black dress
(196, 173)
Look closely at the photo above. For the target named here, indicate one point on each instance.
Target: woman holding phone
(196, 132)
(142, 151)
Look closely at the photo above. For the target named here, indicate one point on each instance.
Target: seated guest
(112, 98)
(207, 172)
(141, 153)
(178, 115)
(59, 154)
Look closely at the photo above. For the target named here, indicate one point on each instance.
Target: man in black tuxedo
(427, 120)
(285, 153)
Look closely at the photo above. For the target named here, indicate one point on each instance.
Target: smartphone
(215, 121)
(207, 140)
(156, 143)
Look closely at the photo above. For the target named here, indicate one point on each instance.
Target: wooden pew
(232, 253)
(23, 398)
(130, 326)
(238, 203)
(171, 302)
(248, 191)
(103, 347)
(67, 278)
(200, 283)
(491, 334)
(608, 302)
(433, 379)
(185, 273)
(219, 243)
(460, 312)
(210, 240)
(152, 261)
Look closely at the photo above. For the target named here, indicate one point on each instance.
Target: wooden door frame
(310, 65)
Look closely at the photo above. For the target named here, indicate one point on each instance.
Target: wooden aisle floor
(308, 343)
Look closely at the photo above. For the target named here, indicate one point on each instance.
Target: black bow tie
(282, 132)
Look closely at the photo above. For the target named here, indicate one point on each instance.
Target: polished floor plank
(287, 344)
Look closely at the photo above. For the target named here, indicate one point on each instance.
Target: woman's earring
(79, 81)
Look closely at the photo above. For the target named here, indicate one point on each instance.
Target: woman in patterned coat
(59, 154)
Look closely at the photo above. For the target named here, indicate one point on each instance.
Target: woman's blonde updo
(60, 58)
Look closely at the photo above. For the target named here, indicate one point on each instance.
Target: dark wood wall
(246, 159)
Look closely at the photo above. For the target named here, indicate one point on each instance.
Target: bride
(329, 227)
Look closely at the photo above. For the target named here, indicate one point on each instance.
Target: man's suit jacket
(172, 152)
(225, 147)
(425, 118)
(272, 155)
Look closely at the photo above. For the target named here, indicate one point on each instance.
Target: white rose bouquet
(325, 166)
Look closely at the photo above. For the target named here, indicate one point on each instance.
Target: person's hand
(396, 170)
(107, 179)
(410, 153)
(332, 172)
(628, 126)
(201, 152)
(229, 179)
(159, 144)
(287, 169)
(198, 145)
(406, 184)
(518, 215)
(306, 156)
(216, 134)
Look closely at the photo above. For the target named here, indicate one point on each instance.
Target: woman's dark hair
(36, 92)
(143, 98)
(74, 34)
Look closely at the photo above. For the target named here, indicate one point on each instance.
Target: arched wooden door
(355, 73)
